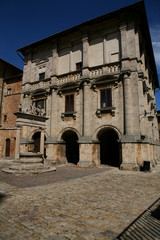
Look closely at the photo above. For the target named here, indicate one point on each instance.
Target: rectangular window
(78, 66)
(40, 103)
(9, 91)
(42, 76)
(69, 104)
(5, 118)
(106, 98)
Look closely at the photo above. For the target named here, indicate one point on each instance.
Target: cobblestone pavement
(93, 207)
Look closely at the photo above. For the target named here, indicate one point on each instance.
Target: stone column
(86, 110)
(18, 137)
(42, 142)
(127, 105)
(142, 119)
(54, 113)
(85, 142)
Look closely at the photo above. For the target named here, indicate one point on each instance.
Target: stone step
(19, 166)
(30, 154)
(30, 160)
(4, 162)
(32, 171)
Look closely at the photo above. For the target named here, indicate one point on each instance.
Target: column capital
(126, 74)
(85, 39)
(123, 27)
(86, 82)
(54, 48)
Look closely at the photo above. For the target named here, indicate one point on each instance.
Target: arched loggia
(72, 146)
(110, 153)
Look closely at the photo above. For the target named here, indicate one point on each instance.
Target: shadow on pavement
(146, 226)
(2, 197)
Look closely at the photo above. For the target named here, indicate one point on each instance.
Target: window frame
(9, 91)
(106, 101)
(78, 66)
(44, 103)
(41, 76)
(4, 118)
(68, 108)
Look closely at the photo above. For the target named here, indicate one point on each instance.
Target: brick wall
(10, 105)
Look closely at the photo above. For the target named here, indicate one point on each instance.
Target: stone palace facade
(88, 94)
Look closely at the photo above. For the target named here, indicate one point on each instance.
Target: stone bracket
(68, 114)
(101, 111)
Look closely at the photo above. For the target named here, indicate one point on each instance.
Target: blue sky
(27, 21)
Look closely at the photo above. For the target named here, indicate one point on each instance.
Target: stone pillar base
(129, 167)
(56, 154)
(129, 157)
(89, 154)
(85, 164)
(49, 162)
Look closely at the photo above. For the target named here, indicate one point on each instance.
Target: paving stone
(94, 206)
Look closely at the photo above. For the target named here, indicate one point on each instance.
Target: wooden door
(8, 145)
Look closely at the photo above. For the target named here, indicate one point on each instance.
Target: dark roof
(8, 70)
(9, 64)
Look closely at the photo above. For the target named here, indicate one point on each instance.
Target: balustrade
(69, 77)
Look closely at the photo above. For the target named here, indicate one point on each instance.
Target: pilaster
(85, 55)
(124, 50)
(104, 50)
(70, 58)
(42, 142)
(17, 149)
(123, 33)
(54, 60)
(53, 112)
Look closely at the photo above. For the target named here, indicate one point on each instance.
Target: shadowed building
(88, 94)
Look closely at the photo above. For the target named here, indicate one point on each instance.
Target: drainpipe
(20, 56)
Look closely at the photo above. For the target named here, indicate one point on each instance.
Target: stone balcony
(93, 72)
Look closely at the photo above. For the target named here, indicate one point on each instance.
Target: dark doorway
(109, 148)
(72, 146)
(8, 147)
(36, 138)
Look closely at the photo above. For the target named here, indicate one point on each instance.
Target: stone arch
(30, 138)
(59, 137)
(103, 127)
(110, 148)
(35, 138)
(70, 139)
